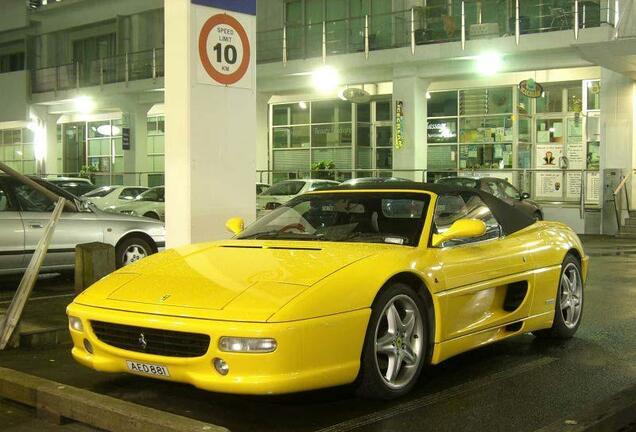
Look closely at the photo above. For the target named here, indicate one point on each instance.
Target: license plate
(147, 368)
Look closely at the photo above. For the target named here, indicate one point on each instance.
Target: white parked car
(261, 187)
(150, 204)
(109, 197)
(282, 192)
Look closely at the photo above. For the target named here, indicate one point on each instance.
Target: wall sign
(399, 127)
(125, 138)
(530, 88)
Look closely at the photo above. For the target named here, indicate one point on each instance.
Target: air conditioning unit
(483, 31)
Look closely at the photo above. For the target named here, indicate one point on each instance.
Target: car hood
(231, 280)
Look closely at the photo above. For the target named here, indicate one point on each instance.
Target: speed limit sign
(224, 49)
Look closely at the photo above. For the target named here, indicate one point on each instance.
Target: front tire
(132, 250)
(569, 302)
(395, 345)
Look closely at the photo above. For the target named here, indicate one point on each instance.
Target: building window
(155, 150)
(104, 151)
(16, 150)
(12, 62)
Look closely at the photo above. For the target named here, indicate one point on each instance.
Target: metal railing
(122, 68)
(619, 205)
(474, 19)
(569, 186)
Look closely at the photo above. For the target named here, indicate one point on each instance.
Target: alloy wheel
(399, 341)
(571, 295)
(134, 253)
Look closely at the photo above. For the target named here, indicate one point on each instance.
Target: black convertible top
(510, 218)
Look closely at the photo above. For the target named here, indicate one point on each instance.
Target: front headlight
(247, 345)
(75, 324)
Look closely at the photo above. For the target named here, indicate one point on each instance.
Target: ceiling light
(302, 105)
(325, 79)
(84, 104)
(489, 63)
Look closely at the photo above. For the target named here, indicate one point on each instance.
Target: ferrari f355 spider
(361, 285)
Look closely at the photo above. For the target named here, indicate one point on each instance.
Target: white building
(438, 93)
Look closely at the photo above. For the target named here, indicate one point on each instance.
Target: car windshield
(285, 188)
(100, 193)
(459, 181)
(154, 195)
(369, 217)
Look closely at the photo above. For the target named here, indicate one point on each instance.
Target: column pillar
(410, 90)
(210, 107)
(618, 116)
(50, 132)
(135, 117)
(262, 136)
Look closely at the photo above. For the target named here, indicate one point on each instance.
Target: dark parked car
(501, 189)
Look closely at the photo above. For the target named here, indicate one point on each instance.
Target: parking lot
(521, 384)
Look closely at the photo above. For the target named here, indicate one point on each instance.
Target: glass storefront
(335, 133)
(498, 131)
(16, 149)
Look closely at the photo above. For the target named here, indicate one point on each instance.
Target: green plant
(88, 172)
(324, 170)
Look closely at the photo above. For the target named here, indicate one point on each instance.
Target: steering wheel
(297, 226)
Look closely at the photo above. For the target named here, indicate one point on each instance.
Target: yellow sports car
(355, 284)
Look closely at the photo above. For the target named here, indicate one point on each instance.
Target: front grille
(151, 341)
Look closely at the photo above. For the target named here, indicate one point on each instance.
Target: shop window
(593, 89)
(442, 157)
(384, 158)
(550, 131)
(524, 156)
(575, 98)
(290, 114)
(294, 136)
(551, 100)
(524, 130)
(331, 135)
(364, 113)
(485, 156)
(363, 136)
(330, 111)
(496, 100)
(442, 104)
(384, 136)
(485, 129)
(523, 104)
(442, 131)
(383, 111)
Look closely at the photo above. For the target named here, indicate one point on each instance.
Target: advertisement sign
(549, 185)
(399, 127)
(530, 88)
(226, 56)
(125, 138)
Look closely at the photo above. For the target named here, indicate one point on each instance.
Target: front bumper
(311, 354)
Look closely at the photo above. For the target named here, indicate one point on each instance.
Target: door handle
(36, 225)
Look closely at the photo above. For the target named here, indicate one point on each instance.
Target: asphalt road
(520, 384)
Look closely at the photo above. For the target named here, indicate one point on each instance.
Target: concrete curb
(58, 402)
(610, 415)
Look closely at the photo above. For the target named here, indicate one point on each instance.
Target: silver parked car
(24, 212)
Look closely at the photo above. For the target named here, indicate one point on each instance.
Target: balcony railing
(468, 20)
(122, 68)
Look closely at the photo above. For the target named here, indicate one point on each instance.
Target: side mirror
(235, 225)
(524, 196)
(461, 229)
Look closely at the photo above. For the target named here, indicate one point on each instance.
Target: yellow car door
(484, 282)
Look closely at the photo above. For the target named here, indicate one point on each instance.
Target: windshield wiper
(277, 235)
(360, 236)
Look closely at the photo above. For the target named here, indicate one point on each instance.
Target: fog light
(75, 324)
(88, 347)
(221, 366)
(247, 345)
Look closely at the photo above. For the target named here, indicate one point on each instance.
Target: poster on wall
(574, 185)
(576, 155)
(549, 184)
(592, 187)
(548, 156)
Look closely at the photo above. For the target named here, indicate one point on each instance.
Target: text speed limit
(224, 49)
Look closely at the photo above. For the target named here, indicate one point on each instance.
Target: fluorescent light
(302, 105)
(489, 63)
(108, 130)
(428, 95)
(325, 79)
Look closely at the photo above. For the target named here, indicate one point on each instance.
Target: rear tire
(131, 250)
(395, 345)
(568, 302)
